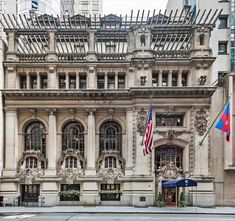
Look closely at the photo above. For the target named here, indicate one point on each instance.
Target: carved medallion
(201, 121)
(141, 120)
(169, 171)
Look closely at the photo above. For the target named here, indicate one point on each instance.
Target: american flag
(148, 136)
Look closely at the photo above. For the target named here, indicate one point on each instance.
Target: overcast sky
(125, 6)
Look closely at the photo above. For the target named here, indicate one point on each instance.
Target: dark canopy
(180, 183)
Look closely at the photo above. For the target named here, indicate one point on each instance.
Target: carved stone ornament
(111, 174)
(201, 122)
(170, 134)
(29, 175)
(141, 120)
(169, 172)
(69, 175)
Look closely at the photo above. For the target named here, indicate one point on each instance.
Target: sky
(124, 7)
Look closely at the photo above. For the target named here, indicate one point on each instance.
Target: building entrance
(169, 196)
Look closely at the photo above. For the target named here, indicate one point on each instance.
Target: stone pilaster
(91, 54)
(179, 80)
(91, 144)
(52, 46)
(11, 53)
(11, 143)
(52, 79)
(51, 147)
(91, 77)
(27, 80)
(129, 142)
(11, 78)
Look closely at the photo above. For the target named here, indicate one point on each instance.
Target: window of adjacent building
(110, 137)
(35, 137)
(223, 21)
(82, 81)
(62, 81)
(168, 155)
(164, 79)
(110, 48)
(110, 192)
(33, 81)
(174, 78)
(68, 188)
(23, 82)
(73, 137)
(169, 120)
(72, 81)
(185, 78)
(222, 49)
(155, 79)
(43, 82)
(100, 81)
(111, 81)
(121, 81)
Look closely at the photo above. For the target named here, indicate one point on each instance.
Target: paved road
(115, 217)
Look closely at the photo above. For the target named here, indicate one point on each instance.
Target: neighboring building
(222, 44)
(88, 7)
(11, 7)
(50, 7)
(67, 7)
(75, 108)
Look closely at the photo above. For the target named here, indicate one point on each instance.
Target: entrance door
(169, 196)
(30, 193)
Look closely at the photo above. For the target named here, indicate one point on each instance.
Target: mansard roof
(111, 18)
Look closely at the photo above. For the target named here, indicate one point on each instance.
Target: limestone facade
(75, 112)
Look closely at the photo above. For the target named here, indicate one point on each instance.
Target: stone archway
(170, 162)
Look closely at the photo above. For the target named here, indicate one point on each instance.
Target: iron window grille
(110, 192)
(73, 137)
(69, 192)
(110, 137)
(168, 155)
(35, 137)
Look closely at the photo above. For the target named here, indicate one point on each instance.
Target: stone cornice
(163, 92)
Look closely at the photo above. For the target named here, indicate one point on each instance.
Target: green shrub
(159, 200)
(182, 202)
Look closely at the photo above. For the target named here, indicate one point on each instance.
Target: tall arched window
(110, 137)
(73, 137)
(35, 137)
(168, 155)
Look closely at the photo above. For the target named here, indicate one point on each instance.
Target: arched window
(110, 137)
(35, 137)
(73, 137)
(31, 163)
(168, 155)
(201, 39)
(71, 162)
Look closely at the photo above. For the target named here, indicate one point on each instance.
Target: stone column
(11, 77)
(77, 80)
(179, 83)
(160, 79)
(38, 81)
(11, 143)
(129, 142)
(67, 80)
(51, 144)
(170, 79)
(27, 80)
(106, 80)
(91, 144)
(116, 80)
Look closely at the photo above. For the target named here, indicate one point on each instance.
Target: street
(116, 217)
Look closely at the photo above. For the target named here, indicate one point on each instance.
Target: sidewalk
(120, 209)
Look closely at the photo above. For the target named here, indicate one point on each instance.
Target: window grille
(35, 137)
(73, 137)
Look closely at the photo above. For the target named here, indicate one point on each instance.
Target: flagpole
(200, 143)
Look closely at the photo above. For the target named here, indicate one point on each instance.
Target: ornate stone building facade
(75, 100)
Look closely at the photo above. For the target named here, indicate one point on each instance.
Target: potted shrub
(182, 202)
(159, 200)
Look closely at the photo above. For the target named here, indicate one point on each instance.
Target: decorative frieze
(141, 119)
(201, 121)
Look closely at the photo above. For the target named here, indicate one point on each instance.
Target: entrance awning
(179, 183)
